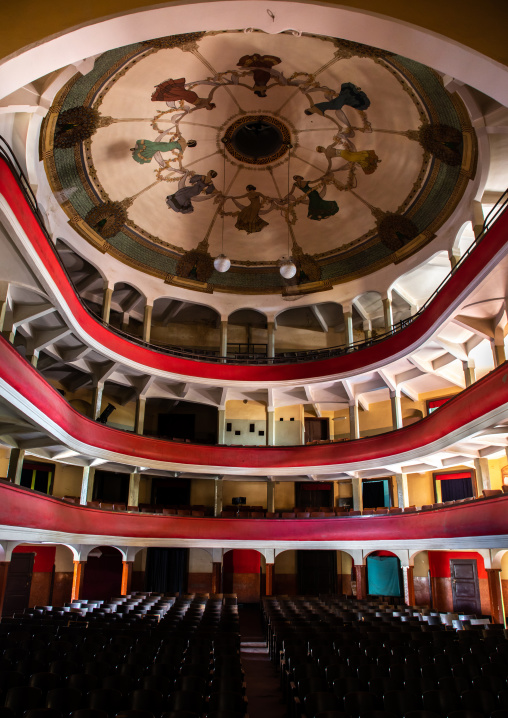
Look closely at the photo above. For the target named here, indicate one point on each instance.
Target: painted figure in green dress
(319, 208)
(144, 150)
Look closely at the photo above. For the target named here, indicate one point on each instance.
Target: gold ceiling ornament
(107, 219)
(77, 125)
(186, 41)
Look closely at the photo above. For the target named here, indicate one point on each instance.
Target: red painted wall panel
(439, 562)
(44, 556)
(242, 561)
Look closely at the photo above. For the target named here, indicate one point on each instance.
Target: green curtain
(383, 577)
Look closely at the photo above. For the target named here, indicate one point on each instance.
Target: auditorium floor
(262, 679)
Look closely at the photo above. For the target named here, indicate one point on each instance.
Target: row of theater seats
(185, 665)
(258, 512)
(344, 658)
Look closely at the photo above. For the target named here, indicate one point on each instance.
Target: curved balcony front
(40, 253)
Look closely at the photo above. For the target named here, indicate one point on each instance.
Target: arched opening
(247, 332)
(103, 573)
(384, 576)
(87, 279)
(127, 308)
(242, 574)
(459, 582)
(185, 324)
(313, 327)
(166, 569)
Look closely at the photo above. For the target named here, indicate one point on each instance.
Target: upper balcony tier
(483, 261)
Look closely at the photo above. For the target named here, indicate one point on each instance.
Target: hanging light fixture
(287, 267)
(221, 262)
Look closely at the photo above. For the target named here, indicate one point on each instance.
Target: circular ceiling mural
(173, 151)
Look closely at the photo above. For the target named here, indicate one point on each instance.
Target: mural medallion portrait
(352, 154)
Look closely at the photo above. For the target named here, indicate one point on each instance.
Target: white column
(106, 303)
(139, 419)
(357, 494)
(387, 312)
(224, 338)
(87, 480)
(270, 495)
(221, 429)
(478, 218)
(469, 372)
(454, 256)
(354, 422)
(217, 496)
(270, 339)
(4, 293)
(347, 311)
(147, 322)
(396, 402)
(15, 465)
(97, 400)
(270, 426)
(482, 474)
(402, 490)
(498, 352)
(134, 480)
(367, 329)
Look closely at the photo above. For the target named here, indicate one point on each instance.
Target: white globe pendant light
(287, 269)
(222, 263)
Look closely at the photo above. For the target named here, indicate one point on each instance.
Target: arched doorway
(103, 573)
(242, 574)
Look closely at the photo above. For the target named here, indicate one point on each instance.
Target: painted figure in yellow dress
(366, 159)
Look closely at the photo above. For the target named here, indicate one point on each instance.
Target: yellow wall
(200, 561)
(63, 560)
(287, 432)
(285, 562)
(495, 466)
(420, 489)
(4, 461)
(254, 491)
(241, 415)
(202, 492)
(377, 420)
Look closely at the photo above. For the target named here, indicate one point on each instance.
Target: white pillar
(402, 490)
(224, 338)
(478, 218)
(217, 496)
(367, 329)
(498, 352)
(106, 303)
(270, 426)
(387, 313)
(357, 494)
(221, 429)
(469, 372)
(97, 400)
(396, 402)
(147, 322)
(354, 422)
(348, 322)
(139, 419)
(454, 256)
(482, 474)
(270, 331)
(87, 480)
(134, 480)
(15, 465)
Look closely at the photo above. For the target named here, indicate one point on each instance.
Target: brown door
(465, 589)
(316, 429)
(19, 581)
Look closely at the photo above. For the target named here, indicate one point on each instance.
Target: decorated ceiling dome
(171, 152)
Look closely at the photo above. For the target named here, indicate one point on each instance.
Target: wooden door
(316, 429)
(465, 589)
(19, 582)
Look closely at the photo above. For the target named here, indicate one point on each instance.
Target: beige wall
(200, 561)
(420, 489)
(421, 565)
(202, 492)
(4, 461)
(254, 491)
(288, 425)
(241, 415)
(63, 559)
(285, 562)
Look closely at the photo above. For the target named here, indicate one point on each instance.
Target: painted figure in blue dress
(181, 200)
(349, 95)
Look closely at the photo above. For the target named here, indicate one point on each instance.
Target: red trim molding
(151, 359)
